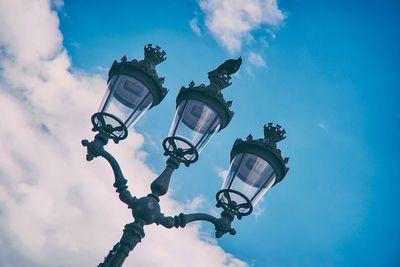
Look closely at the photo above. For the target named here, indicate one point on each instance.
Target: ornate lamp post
(201, 112)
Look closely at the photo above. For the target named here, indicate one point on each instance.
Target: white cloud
(264, 42)
(56, 209)
(323, 126)
(271, 33)
(259, 209)
(194, 25)
(58, 4)
(194, 204)
(232, 21)
(256, 59)
(75, 44)
(222, 174)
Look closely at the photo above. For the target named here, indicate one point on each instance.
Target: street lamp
(256, 166)
(201, 112)
(133, 88)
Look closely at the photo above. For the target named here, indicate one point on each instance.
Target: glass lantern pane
(195, 122)
(250, 175)
(127, 99)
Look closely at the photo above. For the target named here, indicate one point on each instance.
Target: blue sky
(327, 71)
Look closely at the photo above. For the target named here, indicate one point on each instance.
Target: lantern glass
(250, 175)
(195, 122)
(127, 99)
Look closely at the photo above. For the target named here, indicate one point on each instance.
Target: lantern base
(228, 200)
(186, 156)
(110, 125)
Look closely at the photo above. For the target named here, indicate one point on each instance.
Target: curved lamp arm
(222, 225)
(96, 149)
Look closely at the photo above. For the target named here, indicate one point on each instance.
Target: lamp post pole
(134, 87)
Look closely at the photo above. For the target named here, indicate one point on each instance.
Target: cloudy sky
(325, 70)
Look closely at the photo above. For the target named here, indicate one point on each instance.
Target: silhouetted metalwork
(186, 156)
(116, 133)
(195, 104)
(230, 66)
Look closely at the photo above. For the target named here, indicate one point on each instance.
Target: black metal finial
(221, 76)
(230, 66)
(274, 133)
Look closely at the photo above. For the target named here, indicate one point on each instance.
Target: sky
(327, 71)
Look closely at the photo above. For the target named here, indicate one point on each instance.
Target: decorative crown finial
(154, 54)
(274, 133)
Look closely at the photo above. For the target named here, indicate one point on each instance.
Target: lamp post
(201, 111)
